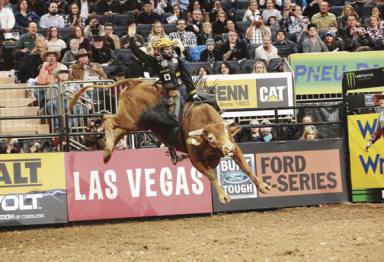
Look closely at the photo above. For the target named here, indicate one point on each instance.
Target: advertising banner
(251, 91)
(134, 183)
(32, 189)
(367, 168)
(322, 73)
(299, 173)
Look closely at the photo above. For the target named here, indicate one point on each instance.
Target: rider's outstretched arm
(143, 57)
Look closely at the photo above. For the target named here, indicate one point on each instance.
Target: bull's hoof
(224, 198)
(263, 187)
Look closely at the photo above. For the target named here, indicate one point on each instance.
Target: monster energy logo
(350, 79)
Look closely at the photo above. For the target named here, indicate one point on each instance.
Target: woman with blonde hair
(34, 61)
(310, 133)
(157, 31)
(259, 68)
(348, 10)
(220, 25)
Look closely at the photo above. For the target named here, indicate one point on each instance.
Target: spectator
(332, 43)
(131, 6)
(276, 3)
(217, 7)
(70, 55)
(266, 51)
(194, 5)
(284, 46)
(23, 16)
(52, 18)
(107, 7)
(187, 38)
(356, 37)
(376, 12)
(95, 28)
(53, 40)
(271, 11)
(47, 72)
(196, 22)
(251, 134)
(184, 4)
(111, 39)
(156, 31)
(102, 54)
(266, 132)
(226, 69)
(38, 6)
(292, 23)
(256, 31)
(177, 13)
(33, 61)
(324, 19)
(312, 8)
(13, 146)
(124, 42)
(159, 6)
(62, 7)
(27, 41)
(273, 26)
(376, 32)
(313, 44)
(7, 19)
(83, 70)
(220, 25)
(87, 7)
(251, 12)
(74, 18)
(202, 71)
(206, 34)
(78, 34)
(147, 16)
(210, 54)
(342, 20)
(310, 133)
(259, 67)
(233, 49)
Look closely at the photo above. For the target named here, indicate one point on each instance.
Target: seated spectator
(157, 31)
(131, 6)
(342, 20)
(313, 44)
(87, 7)
(52, 18)
(312, 8)
(53, 40)
(62, 7)
(13, 146)
(124, 41)
(94, 142)
(102, 54)
(233, 49)
(202, 71)
(74, 17)
(256, 31)
(34, 60)
(310, 133)
(284, 46)
(226, 69)
(266, 51)
(324, 19)
(177, 13)
(70, 55)
(251, 12)
(50, 65)
(220, 25)
(184, 4)
(107, 7)
(78, 34)
(38, 6)
(95, 28)
(7, 19)
(210, 54)
(84, 70)
(376, 32)
(194, 6)
(27, 41)
(259, 67)
(266, 133)
(375, 12)
(23, 16)
(111, 40)
(356, 37)
(159, 6)
(332, 43)
(293, 23)
(147, 16)
(251, 134)
(196, 22)
(187, 38)
(273, 26)
(231, 26)
(206, 34)
(271, 11)
(217, 7)
(35, 147)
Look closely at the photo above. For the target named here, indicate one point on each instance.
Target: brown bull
(204, 136)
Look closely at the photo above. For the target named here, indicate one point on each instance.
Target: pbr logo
(234, 181)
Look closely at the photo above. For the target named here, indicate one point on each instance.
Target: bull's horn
(197, 132)
(228, 122)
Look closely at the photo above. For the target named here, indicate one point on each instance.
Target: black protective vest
(169, 73)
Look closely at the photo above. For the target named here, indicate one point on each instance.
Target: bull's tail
(76, 96)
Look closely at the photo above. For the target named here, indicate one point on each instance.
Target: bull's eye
(210, 138)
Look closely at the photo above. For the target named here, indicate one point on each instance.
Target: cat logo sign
(272, 93)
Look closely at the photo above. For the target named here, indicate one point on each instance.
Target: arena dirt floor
(344, 232)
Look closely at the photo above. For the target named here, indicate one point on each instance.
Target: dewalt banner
(367, 169)
(32, 189)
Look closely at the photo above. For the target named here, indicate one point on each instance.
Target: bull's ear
(195, 140)
(233, 130)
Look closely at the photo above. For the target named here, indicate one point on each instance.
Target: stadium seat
(169, 28)
(194, 67)
(120, 30)
(251, 50)
(109, 70)
(336, 10)
(144, 30)
(243, 26)
(242, 4)
(43, 31)
(276, 65)
(123, 19)
(65, 32)
(124, 56)
(247, 66)
(336, 2)
(239, 14)
(103, 19)
(234, 65)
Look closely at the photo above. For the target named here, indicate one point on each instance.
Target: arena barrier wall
(367, 168)
(322, 73)
(135, 183)
(300, 173)
(32, 189)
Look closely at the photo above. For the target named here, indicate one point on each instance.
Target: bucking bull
(203, 135)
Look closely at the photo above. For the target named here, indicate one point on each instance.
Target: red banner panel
(134, 183)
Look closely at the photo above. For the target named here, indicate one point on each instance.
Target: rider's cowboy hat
(164, 42)
(82, 52)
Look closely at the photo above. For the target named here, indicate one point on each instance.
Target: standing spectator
(70, 55)
(220, 25)
(210, 54)
(107, 7)
(266, 51)
(256, 31)
(271, 11)
(52, 18)
(313, 44)
(112, 40)
(23, 16)
(187, 38)
(38, 6)
(324, 19)
(332, 43)
(252, 11)
(78, 34)
(53, 40)
(83, 70)
(284, 46)
(102, 54)
(7, 19)
(259, 67)
(74, 18)
(147, 16)
(46, 74)
(233, 49)
(342, 20)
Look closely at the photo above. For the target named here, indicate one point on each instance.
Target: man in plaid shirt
(188, 38)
